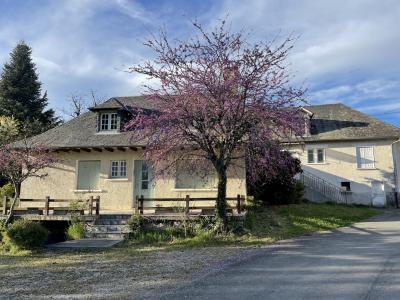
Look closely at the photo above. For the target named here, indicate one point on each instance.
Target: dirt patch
(116, 274)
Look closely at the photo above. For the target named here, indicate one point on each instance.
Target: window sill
(194, 190)
(367, 168)
(323, 163)
(88, 191)
(117, 179)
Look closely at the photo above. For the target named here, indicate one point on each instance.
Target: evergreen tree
(21, 95)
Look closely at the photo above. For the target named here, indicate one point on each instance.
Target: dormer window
(108, 121)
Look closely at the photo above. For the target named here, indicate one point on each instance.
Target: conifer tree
(21, 95)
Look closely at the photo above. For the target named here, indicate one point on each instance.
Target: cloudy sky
(347, 51)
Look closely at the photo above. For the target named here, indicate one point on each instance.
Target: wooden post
(5, 205)
(97, 205)
(46, 205)
(136, 205)
(187, 205)
(91, 205)
(141, 204)
(239, 209)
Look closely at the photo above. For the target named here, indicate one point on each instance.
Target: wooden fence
(57, 206)
(187, 201)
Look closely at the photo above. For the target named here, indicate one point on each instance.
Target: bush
(76, 231)
(282, 188)
(6, 190)
(204, 228)
(25, 234)
(2, 229)
(136, 225)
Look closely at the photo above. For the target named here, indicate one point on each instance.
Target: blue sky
(348, 51)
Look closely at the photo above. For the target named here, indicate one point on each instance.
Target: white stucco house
(347, 156)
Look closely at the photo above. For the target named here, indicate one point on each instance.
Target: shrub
(281, 188)
(2, 229)
(76, 231)
(136, 225)
(6, 190)
(25, 234)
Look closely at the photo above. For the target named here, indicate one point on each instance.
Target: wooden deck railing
(58, 206)
(186, 204)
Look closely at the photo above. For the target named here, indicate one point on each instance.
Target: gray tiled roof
(340, 122)
(117, 102)
(329, 122)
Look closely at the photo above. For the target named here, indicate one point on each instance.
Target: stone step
(108, 235)
(111, 222)
(110, 228)
(115, 217)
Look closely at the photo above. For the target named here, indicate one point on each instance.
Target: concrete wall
(116, 194)
(341, 165)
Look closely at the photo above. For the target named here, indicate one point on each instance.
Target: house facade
(343, 149)
(99, 159)
(351, 151)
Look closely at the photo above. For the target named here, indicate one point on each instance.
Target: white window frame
(360, 164)
(118, 169)
(315, 156)
(110, 123)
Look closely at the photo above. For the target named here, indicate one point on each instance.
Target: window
(118, 169)
(365, 157)
(345, 185)
(187, 178)
(310, 155)
(108, 121)
(88, 175)
(316, 156)
(145, 176)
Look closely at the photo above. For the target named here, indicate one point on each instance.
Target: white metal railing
(327, 189)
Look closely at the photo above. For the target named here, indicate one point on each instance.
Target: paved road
(361, 262)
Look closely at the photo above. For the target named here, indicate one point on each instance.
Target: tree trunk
(17, 188)
(221, 197)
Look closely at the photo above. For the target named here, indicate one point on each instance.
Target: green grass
(283, 222)
(269, 224)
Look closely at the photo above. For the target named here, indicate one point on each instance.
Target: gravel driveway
(358, 262)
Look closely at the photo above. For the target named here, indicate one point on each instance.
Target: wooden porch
(187, 208)
(49, 209)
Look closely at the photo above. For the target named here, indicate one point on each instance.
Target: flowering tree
(221, 99)
(18, 164)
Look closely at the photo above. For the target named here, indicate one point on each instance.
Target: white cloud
(347, 50)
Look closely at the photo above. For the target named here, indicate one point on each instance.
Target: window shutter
(369, 157)
(98, 122)
(365, 157)
(358, 154)
(88, 175)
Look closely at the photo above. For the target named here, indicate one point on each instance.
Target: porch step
(110, 227)
(111, 236)
(111, 222)
(115, 217)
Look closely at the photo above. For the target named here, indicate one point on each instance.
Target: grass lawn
(138, 269)
(267, 225)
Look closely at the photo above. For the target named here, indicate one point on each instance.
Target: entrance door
(143, 184)
(378, 193)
